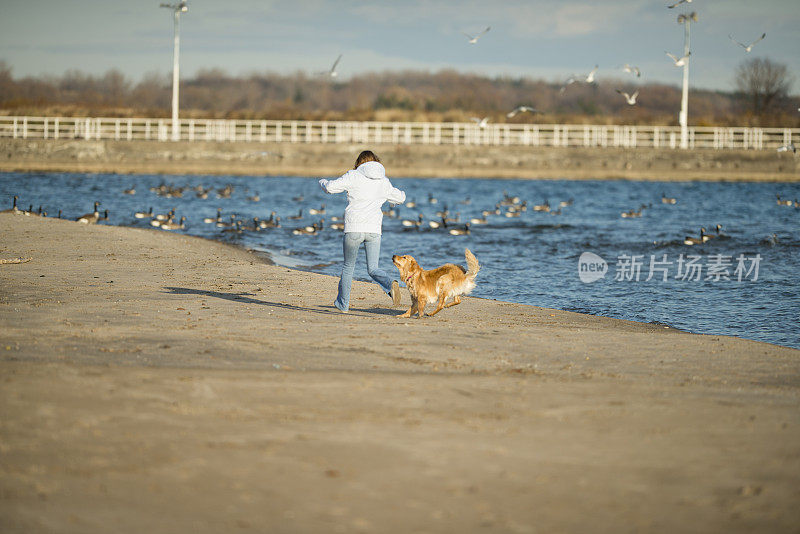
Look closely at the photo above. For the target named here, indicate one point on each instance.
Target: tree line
(761, 97)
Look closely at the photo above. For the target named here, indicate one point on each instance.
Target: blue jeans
(372, 245)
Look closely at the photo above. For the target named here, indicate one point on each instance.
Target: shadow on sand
(247, 298)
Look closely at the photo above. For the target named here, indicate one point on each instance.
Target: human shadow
(247, 298)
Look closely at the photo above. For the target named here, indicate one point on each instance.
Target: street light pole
(683, 118)
(177, 9)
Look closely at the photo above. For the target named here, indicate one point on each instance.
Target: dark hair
(366, 156)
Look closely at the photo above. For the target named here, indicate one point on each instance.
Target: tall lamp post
(683, 118)
(177, 9)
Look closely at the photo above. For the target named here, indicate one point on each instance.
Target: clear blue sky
(548, 39)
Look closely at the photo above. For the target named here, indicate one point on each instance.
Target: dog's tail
(472, 264)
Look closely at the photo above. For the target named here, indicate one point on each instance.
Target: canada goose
(296, 217)
(256, 226)
(542, 207)
(298, 198)
(218, 218)
(223, 224)
(103, 218)
(89, 218)
(460, 231)
(411, 203)
(695, 241)
(437, 224)
(392, 213)
(131, 191)
(556, 212)
(14, 209)
(495, 211)
(467, 201)
(481, 220)
(631, 214)
(234, 228)
(668, 200)
(508, 200)
(172, 225)
(144, 214)
(165, 216)
(337, 226)
(272, 222)
(444, 212)
(783, 202)
(709, 237)
(512, 213)
(225, 192)
(59, 214)
(566, 203)
(308, 230)
(201, 192)
(411, 223)
(455, 219)
(432, 199)
(320, 211)
(254, 198)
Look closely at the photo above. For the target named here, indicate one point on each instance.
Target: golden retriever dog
(436, 285)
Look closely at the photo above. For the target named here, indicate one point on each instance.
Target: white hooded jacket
(367, 189)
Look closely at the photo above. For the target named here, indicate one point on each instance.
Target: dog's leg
(440, 305)
(456, 300)
(411, 310)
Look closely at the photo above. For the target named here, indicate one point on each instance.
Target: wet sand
(165, 383)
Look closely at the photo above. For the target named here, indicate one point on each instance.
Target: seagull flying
(630, 98)
(569, 82)
(473, 40)
(679, 2)
(749, 47)
(521, 109)
(680, 61)
(332, 73)
(481, 122)
(632, 70)
(590, 76)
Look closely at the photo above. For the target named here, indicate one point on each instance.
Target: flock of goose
(445, 221)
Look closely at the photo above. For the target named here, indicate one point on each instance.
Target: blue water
(531, 259)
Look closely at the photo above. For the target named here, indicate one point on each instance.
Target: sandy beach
(154, 382)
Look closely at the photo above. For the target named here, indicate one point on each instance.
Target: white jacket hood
(372, 169)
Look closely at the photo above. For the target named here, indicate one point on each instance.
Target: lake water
(748, 277)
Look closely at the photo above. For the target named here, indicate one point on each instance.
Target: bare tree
(763, 83)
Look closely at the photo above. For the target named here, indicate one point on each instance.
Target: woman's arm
(394, 195)
(336, 186)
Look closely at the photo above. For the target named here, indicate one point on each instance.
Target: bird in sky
(474, 39)
(747, 48)
(481, 122)
(567, 83)
(332, 73)
(630, 98)
(521, 109)
(590, 76)
(676, 4)
(632, 70)
(680, 61)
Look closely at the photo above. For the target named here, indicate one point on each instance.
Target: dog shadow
(247, 298)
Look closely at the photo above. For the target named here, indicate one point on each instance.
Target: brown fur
(436, 285)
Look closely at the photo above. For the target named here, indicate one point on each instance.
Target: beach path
(165, 383)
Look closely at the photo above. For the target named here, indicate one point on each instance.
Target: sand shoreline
(168, 383)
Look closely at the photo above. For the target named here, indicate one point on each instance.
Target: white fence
(403, 133)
